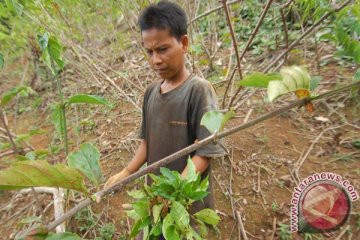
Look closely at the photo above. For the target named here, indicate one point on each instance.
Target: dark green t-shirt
(171, 121)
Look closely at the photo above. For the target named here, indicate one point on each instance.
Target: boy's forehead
(156, 36)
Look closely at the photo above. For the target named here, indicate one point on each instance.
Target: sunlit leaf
(138, 194)
(191, 174)
(91, 99)
(208, 216)
(41, 173)
(180, 215)
(51, 51)
(260, 80)
(87, 161)
(212, 120)
(293, 78)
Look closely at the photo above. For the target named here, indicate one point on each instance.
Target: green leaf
(202, 228)
(14, 6)
(57, 118)
(215, 121)
(168, 229)
(141, 223)
(356, 143)
(208, 216)
(156, 210)
(212, 120)
(258, 79)
(7, 96)
(314, 82)
(41, 173)
(141, 208)
(55, 50)
(191, 174)
(138, 194)
(229, 115)
(1, 61)
(64, 236)
(180, 215)
(43, 41)
(169, 175)
(357, 75)
(87, 161)
(132, 214)
(91, 99)
(51, 49)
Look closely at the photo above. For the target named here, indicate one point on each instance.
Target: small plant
(285, 233)
(163, 207)
(106, 232)
(275, 206)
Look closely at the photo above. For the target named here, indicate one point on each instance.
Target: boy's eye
(162, 49)
(149, 52)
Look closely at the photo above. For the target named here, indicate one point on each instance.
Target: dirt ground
(254, 180)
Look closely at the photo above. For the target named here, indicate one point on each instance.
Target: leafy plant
(163, 208)
(285, 233)
(107, 232)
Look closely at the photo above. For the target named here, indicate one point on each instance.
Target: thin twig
(211, 11)
(253, 34)
(242, 232)
(231, 28)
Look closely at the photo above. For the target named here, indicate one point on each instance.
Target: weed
(275, 206)
(285, 233)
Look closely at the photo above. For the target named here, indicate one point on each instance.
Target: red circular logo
(325, 206)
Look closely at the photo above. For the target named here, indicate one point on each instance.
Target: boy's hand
(117, 177)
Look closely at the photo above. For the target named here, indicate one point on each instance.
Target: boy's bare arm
(134, 165)
(201, 164)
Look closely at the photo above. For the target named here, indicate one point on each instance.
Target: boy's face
(166, 53)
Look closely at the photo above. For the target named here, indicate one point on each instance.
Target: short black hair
(164, 15)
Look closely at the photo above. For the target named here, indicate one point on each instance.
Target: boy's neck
(170, 84)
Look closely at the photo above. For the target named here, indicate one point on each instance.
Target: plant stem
(238, 60)
(62, 105)
(213, 138)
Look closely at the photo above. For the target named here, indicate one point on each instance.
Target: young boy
(174, 106)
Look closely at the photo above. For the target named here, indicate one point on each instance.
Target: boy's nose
(156, 60)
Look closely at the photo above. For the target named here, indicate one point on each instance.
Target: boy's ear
(185, 42)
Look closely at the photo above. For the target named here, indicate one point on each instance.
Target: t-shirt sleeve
(205, 101)
(142, 132)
